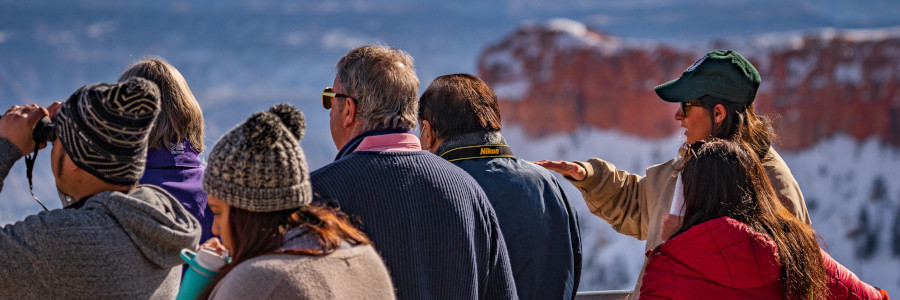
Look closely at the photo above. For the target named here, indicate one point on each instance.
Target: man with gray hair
(114, 239)
(429, 220)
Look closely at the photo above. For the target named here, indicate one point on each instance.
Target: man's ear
(719, 113)
(348, 113)
(427, 135)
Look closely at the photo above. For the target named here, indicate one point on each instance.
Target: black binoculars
(44, 131)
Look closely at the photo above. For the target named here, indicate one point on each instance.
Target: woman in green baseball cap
(716, 94)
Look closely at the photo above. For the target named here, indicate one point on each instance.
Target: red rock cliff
(561, 75)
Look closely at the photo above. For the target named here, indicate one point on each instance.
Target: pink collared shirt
(400, 142)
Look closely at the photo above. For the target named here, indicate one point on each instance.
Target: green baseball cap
(723, 74)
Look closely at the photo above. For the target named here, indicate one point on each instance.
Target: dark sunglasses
(329, 93)
(684, 106)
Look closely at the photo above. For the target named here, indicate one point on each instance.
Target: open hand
(566, 168)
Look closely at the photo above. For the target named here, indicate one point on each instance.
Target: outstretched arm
(611, 194)
(566, 168)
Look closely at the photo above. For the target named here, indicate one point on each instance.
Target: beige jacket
(634, 205)
(353, 273)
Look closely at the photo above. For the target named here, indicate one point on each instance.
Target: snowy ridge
(793, 40)
(564, 36)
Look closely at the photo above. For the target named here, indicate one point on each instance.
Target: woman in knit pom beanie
(282, 245)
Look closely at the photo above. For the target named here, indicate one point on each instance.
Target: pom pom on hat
(262, 130)
(292, 118)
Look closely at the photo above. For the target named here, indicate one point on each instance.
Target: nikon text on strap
(479, 151)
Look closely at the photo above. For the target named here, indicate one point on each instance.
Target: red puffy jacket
(725, 259)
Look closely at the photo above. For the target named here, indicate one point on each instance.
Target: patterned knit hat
(258, 166)
(104, 128)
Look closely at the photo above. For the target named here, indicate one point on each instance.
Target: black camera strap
(29, 167)
(479, 151)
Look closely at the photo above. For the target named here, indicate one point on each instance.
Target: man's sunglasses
(684, 106)
(329, 93)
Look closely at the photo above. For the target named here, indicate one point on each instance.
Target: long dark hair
(255, 234)
(726, 178)
(742, 124)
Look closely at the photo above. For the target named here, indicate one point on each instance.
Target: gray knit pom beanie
(258, 166)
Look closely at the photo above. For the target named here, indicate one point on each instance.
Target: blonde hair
(180, 117)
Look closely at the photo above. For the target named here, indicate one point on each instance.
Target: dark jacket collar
(471, 139)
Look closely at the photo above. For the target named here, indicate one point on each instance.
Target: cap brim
(677, 90)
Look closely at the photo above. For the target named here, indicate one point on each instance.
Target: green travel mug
(204, 266)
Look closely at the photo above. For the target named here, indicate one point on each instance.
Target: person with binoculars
(113, 238)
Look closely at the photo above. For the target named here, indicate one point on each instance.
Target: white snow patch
(762, 44)
(870, 35)
(575, 35)
(799, 69)
(569, 26)
(505, 60)
(512, 91)
(512, 84)
(850, 72)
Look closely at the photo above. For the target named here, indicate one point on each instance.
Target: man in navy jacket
(461, 122)
(429, 220)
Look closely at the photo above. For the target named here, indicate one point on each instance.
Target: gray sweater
(115, 246)
(351, 272)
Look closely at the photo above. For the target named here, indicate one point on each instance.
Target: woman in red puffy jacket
(738, 242)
